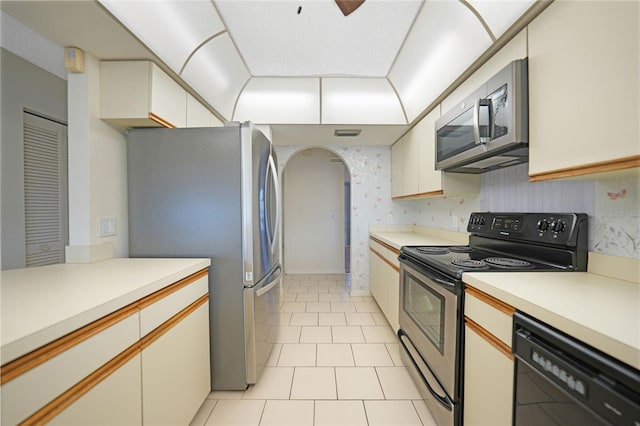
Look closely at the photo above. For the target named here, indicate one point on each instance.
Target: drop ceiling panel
(217, 73)
(447, 37)
(360, 100)
(172, 29)
(280, 101)
(275, 40)
(500, 15)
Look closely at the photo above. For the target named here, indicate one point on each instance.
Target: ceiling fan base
(348, 6)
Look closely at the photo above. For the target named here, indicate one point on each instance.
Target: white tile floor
(336, 362)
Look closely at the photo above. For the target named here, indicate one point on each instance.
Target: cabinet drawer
(489, 313)
(41, 384)
(387, 253)
(160, 306)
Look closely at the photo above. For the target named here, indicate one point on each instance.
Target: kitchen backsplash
(612, 206)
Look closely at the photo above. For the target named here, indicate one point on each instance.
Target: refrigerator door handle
(268, 286)
(276, 184)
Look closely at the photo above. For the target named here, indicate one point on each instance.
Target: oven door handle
(443, 282)
(439, 393)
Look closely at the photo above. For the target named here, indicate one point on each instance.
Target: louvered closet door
(45, 190)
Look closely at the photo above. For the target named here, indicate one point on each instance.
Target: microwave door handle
(482, 138)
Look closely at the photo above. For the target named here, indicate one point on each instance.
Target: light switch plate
(107, 227)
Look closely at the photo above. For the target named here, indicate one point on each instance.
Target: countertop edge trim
(385, 245)
(489, 338)
(490, 300)
(71, 395)
(163, 328)
(395, 267)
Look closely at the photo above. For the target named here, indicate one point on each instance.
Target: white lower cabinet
(384, 281)
(488, 361)
(146, 363)
(175, 371)
(488, 382)
(114, 401)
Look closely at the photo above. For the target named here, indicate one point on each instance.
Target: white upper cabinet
(140, 94)
(515, 49)
(216, 71)
(584, 102)
(199, 116)
(360, 100)
(446, 38)
(172, 29)
(499, 15)
(280, 101)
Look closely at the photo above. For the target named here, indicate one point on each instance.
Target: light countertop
(411, 235)
(41, 304)
(600, 311)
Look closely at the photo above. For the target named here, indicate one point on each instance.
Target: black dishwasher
(562, 381)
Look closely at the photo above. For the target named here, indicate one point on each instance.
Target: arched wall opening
(316, 187)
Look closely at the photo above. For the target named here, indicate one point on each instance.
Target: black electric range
(432, 292)
(511, 242)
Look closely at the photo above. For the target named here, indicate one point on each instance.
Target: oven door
(430, 318)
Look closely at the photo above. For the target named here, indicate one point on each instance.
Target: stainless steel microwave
(490, 128)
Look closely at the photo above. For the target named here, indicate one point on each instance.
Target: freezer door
(262, 318)
(261, 199)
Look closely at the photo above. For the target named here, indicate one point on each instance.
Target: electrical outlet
(454, 221)
(107, 227)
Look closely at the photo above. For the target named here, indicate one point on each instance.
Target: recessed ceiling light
(346, 132)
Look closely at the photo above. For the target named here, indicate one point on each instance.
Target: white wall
(314, 214)
(97, 169)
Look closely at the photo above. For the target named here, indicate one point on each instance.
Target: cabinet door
(583, 86)
(488, 383)
(374, 274)
(168, 100)
(397, 169)
(429, 179)
(114, 401)
(391, 280)
(198, 115)
(176, 372)
(411, 163)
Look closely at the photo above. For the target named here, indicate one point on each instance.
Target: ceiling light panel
(280, 101)
(500, 15)
(276, 40)
(217, 73)
(172, 29)
(360, 100)
(446, 38)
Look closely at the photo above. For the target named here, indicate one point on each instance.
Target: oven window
(426, 307)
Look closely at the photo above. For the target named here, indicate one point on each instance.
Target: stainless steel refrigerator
(214, 192)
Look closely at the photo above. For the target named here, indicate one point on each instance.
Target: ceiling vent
(342, 133)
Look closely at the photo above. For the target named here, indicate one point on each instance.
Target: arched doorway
(316, 220)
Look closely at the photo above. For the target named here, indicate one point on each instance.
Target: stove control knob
(482, 221)
(543, 225)
(557, 226)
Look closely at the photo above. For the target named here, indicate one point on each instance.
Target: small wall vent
(342, 133)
